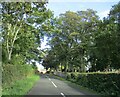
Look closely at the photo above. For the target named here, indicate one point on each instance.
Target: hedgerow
(12, 73)
(104, 83)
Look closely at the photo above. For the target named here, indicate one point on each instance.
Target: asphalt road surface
(50, 86)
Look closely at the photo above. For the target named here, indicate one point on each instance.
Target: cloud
(103, 13)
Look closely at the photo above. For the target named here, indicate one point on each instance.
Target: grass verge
(20, 87)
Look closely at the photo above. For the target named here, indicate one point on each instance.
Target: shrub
(104, 83)
(68, 76)
(12, 73)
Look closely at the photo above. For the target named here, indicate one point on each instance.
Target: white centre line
(54, 84)
(62, 94)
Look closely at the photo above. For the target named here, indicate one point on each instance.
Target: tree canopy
(84, 42)
(21, 29)
(78, 40)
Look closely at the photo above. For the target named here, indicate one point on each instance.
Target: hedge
(12, 73)
(103, 83)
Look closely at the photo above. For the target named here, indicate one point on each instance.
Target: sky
(61, 6)
(101, 6)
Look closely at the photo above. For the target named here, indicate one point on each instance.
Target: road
(50, 86)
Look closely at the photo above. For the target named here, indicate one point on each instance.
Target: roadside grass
(20, 87)
(84, 90)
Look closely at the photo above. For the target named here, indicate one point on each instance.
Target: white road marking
(48, 78)
(54, 84)
(62, 94)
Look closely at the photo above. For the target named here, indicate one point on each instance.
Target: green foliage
(101, 82)
(20, 87)
(18, 60)
(83, 40)
(68, 45)
(12, 73)
(20, 35)
(4, 55)
(77, 40)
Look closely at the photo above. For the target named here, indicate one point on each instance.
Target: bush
(20, 87)
(82, 79)
(68, 76)
(104, 83)
(12, 73)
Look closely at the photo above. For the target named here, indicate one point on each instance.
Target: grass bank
(20, 87)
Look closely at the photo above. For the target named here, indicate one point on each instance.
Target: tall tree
(70, 42)
(21, 28)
